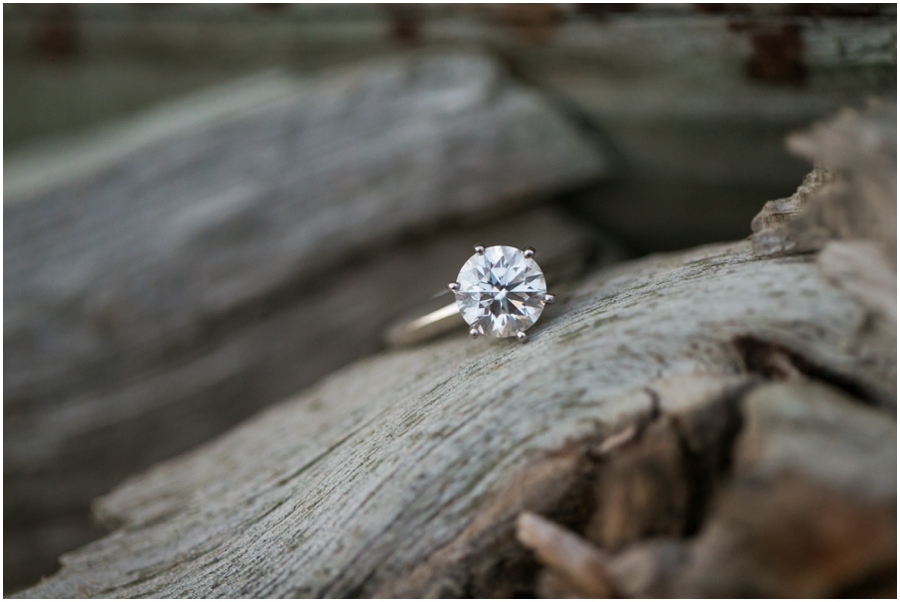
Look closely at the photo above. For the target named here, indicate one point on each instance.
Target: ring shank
(423, 328)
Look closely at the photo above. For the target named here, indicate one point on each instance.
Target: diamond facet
(501, 292)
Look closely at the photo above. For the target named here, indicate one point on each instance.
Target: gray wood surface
(160, 282)
(359, 479)
(763, 490)
(171, 276)
(720, 421)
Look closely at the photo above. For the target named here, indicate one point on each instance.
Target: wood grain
(360, 479)
(169, 278)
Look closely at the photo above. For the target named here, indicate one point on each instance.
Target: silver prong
(453, 286)
(479, 249)
(521, 336)
(548, 298)
(529, 252)
(474, 333)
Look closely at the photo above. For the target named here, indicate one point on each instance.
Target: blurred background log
(170, 274)
(687, 93)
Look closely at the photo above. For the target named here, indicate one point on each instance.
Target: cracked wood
(359, 479)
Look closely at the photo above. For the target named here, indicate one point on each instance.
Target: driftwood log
(696, 98)
(720, 421)
(170, 278)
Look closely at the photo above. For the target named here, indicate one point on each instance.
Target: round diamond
(501, 292)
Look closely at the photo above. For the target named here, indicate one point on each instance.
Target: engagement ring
(500, 291)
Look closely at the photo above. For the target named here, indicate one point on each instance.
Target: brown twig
(573, 556)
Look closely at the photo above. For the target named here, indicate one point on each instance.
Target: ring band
(411, 331)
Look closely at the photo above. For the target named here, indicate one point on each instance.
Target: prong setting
(521, 336)
(529, 252)
(479, 249)
(474, 333)
(453, 286)
(548, 298)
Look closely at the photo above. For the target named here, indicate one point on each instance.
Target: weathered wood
(687, 93)
(359, 480)
(849, 213)
(568, 485)
(640, 63)
(856, 268)
(650, 384)
(855, 198)
(808, 508)
(173, 276)
(770, 226)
